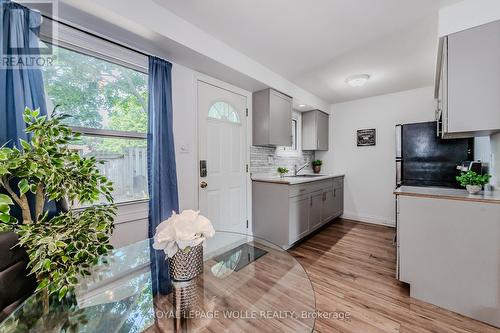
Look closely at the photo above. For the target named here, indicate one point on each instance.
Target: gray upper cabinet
(470, 82)
(272, 118)
(315, 130)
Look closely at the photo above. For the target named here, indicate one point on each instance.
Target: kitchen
(357, 142)
(441, 228)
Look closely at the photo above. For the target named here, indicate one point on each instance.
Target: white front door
(222, 148)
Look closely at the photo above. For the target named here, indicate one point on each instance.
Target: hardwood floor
(352, 269)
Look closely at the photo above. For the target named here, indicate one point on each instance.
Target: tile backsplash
(264, 161)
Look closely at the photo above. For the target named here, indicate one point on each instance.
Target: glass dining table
(247, 285)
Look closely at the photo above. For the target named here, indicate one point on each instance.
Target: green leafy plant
(65, 247)
(472, 178)
(317, 163)
(282, 170)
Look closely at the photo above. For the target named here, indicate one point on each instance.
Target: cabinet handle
(311, 201)
(335, 192)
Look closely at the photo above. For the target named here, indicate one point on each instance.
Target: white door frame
(249, 140)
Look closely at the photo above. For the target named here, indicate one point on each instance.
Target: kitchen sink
(305, 176)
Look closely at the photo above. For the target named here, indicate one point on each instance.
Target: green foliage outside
(282, 170)
(98, 94)
(65, 247)
(472, 178)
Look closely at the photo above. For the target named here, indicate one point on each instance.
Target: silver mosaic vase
(185, 266)
(186, 297)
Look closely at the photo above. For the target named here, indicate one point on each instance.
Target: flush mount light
(357, 80)
(302, 105)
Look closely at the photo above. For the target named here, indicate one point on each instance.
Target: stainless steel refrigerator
(424, 159)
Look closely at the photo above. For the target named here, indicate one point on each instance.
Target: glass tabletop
(247, 285)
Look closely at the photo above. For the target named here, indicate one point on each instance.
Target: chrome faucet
(296, 171)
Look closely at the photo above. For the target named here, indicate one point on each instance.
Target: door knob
(203, 184)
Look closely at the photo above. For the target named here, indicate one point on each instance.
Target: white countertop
(293, 180)
(449, 193)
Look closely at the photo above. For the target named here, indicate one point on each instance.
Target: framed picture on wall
(366, 137)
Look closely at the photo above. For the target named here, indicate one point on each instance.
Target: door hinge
(247, 224)
(246, 112)
(247, 168)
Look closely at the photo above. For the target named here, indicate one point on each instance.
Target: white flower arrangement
(182, 231)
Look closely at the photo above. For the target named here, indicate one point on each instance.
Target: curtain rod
(97, 36)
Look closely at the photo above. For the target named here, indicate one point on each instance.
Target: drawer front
(306, 188)
(324, 185)
(299, 189)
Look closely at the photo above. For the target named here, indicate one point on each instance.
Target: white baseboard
(369, 219)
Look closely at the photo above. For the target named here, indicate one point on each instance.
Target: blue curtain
(20, 85)
(162, 175)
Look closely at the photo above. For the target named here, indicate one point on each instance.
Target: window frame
(232, 110)
(86, 43)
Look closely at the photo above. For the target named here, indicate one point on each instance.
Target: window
(295, 147)
(294, 134)
(223, 111)
(107, 103)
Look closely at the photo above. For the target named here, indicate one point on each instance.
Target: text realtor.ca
(249, 315)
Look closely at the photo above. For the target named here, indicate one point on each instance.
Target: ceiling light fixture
(357, 80)
(302, 105)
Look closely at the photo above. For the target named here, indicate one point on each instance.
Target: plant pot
(282, 175)
(185, 266)
(317, 168)
(474, 189)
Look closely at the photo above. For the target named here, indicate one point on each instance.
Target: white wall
(185, 135)
(370, 171)
(482, 149)
(132, 220)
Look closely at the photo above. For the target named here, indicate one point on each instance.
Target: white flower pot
(474, 189)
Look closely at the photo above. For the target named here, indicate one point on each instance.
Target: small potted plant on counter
(317, 166)
(472, 181)
(282, 171)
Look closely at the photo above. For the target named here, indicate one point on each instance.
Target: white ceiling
(318, 43)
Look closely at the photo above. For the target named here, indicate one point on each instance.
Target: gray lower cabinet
(299, 217)
(338, 200)
(283, 214)
(449, 253)
(328, 208)
(315, 210)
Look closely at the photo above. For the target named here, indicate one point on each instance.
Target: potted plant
(64, 247)
(282, 171)
(181, 237)
(472, 181)
(317, 166)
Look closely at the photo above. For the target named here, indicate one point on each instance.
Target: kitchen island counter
(449, 193)
(290, 180)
